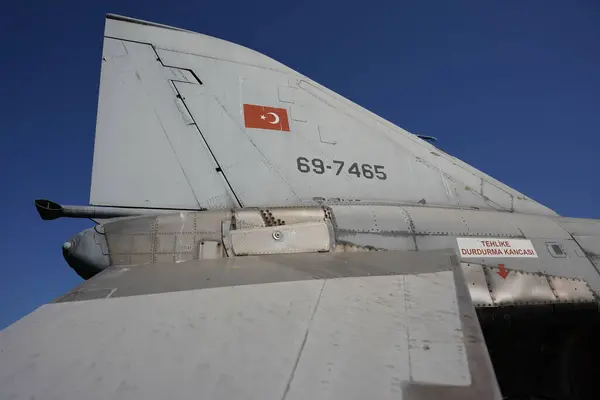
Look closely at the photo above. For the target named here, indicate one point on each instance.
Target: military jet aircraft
(259, 236)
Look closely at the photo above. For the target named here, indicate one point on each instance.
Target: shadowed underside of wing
(190, 121)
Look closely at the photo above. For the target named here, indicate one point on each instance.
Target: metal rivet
(277, 235)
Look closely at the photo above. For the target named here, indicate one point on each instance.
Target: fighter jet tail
(187, 121)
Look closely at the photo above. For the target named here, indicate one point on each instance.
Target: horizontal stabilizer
(306, 326)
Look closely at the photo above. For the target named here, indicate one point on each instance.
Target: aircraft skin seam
(407, 326)
(218, 168)
(187, 179)
(167, 136)
(151, 24)
(587, 254)
(265, 160)
(302, 79)
(408, 137)
(200, 55)
(312, 317)
(413, 229)
(226, 60)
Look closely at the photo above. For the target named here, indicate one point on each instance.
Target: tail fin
(190, 121)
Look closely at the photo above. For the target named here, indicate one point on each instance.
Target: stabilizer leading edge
(172, 133)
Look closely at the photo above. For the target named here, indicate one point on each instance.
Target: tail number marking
(319, 167)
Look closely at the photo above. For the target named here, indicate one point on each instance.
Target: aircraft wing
(309, 326)
(189, 121)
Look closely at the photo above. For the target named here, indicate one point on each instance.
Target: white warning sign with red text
(491, 247)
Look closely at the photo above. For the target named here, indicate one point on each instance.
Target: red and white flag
(263, 117)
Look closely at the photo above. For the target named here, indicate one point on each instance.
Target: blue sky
(511, 87)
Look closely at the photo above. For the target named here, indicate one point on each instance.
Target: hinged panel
(300, 238)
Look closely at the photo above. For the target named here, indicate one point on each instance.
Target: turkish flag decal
(263, 117)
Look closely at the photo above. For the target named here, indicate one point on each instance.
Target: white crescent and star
(275, 121)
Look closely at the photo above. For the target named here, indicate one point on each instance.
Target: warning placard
(491, 247)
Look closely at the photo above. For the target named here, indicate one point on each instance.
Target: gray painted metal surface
(476, 280)
(489, 288)
(519, 287)
(235, 271)
(137, 105)
(586, 233)
(307, 237)
(387, 336)
(184, 236)
(182, 94)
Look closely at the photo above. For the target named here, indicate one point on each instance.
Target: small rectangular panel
(248, 218)
(130, 244)
(142, 243)
(571, 290)
(371, 335)
(175, 222)
(208, 223)
(165, 243)
(119, 244)
(497, 195)
(354, 218)
(300, 238)
(125, 226)
(495, 247)
(437, 221)
(371, 219)
(185, 243)
(327, 135)
(286, 94)
(357, 347)
(519, 288)
(298, 114)
(489, 223)
(477, 284)
(435, 336)
(209, 250)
